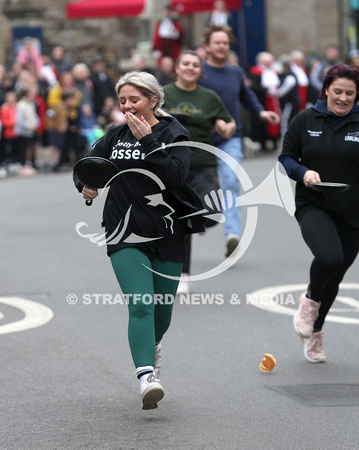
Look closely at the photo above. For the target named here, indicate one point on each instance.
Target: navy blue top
(228, 82)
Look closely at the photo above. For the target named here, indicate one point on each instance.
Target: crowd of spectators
(53, 108)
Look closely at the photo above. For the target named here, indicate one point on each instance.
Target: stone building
(308, 25)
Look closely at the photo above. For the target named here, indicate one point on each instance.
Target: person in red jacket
(168, 35)
(40, 139)
(8, 113)
(264, 83)
(297, 66)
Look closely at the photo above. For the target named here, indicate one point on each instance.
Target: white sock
(143, 372)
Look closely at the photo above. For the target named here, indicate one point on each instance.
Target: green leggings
(148, 320)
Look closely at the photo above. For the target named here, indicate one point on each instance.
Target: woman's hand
(311, 176)
(225, 129)
(139, 127)
(89, 193)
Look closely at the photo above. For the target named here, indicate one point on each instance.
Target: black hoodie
(152, 191)
(319, 140)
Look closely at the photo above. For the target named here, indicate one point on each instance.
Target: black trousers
(335, 246)
(203, 180)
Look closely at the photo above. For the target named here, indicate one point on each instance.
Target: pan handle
(88, 202)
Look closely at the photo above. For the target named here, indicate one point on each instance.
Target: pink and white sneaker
(306, 316)
(313, 348)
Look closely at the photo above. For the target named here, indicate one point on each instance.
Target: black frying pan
(324, 187)
(95, 172)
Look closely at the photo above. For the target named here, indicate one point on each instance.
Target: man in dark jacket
(103, 86)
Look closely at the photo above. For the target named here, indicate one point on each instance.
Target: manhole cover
(331, 394)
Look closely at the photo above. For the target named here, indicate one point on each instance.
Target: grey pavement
(70, 384)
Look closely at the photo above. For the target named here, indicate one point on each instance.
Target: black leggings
(335, 246)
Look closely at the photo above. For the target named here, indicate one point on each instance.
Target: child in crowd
(25, 128)
(8, 115)
(57, 126)
(88, 124)
(103, 117)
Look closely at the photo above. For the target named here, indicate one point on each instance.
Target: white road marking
(36, 314)
(279, 305)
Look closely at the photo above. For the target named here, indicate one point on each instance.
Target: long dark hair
(340, 71)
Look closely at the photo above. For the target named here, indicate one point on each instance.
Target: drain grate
(331, 394)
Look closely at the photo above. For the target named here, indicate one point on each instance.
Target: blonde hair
(147, 84)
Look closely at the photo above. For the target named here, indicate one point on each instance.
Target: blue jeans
(229, 181)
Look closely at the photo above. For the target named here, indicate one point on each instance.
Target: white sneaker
(151, 392)
(250, 148)
(13, 168)
(157, 364)
(183, 286)
(3, 172)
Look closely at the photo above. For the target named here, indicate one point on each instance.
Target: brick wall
(307, 25)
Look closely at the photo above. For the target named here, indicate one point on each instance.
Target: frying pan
(95, 172)
(324, 187)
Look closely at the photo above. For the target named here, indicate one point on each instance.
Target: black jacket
(322, 142)
(148, 168)
(103, 87)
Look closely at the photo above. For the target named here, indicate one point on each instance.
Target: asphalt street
(67, 378)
